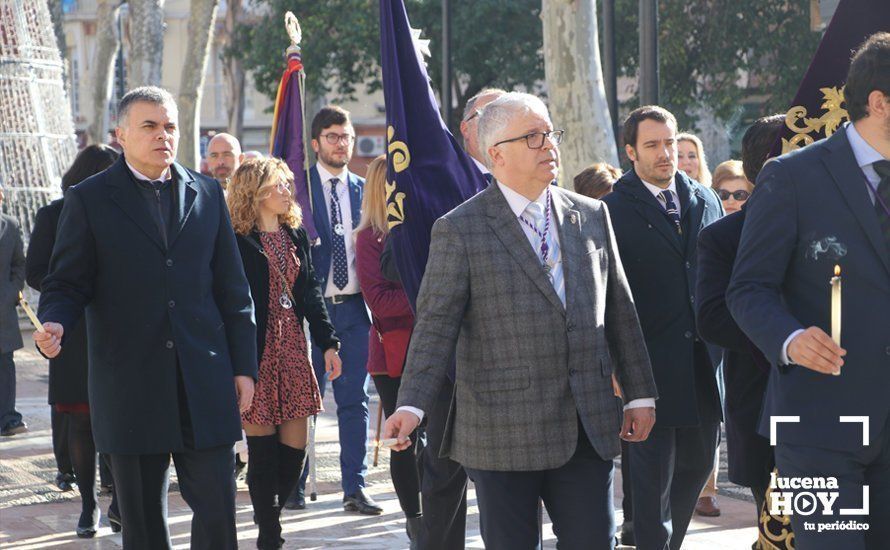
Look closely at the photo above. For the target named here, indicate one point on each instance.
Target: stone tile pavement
(36, 515)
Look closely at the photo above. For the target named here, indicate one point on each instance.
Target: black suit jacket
(154, 314)
(661, 270)
(745, 370)
(68, 370)
(306, 290)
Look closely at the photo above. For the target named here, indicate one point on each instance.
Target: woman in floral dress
(275, 252)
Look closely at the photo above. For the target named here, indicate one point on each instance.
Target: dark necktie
(671, 208)
(882, 200)
(338, 241)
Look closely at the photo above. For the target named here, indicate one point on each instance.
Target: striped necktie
(882, 200)
(671, 208)
(548, 250)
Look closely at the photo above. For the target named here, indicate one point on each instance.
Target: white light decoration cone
(37, 141)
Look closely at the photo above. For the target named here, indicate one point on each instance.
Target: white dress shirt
(352, 286)
(518, 204)
(165, 175)
(866, 156)
(656, 191)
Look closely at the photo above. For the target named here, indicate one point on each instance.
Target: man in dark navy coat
(824, 205)
(745, 369)
(146, 249)
(657, 213)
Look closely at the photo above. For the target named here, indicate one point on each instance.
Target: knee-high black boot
(262, 481)
(290, 468)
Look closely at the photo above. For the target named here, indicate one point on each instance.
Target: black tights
(83, 458)
(402, 465)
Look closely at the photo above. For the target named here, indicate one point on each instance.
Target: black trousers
(403, 466)
(207, 483)
(59, 423)
(671, 467)
(443, 489)
(578, 497)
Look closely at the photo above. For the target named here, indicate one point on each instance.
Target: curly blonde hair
(252, 183)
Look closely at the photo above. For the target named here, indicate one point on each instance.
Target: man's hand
(816, 350)
(50, 342)
(637, 424)
(244, 390)
(332, 364)
(400, 425)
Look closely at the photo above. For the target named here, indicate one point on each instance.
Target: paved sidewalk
(36, 515)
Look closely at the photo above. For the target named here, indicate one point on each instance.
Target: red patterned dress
(286, 386)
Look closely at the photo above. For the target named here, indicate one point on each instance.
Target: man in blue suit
(336, 203)
(147, 251)
(823, 205)
(657, 212)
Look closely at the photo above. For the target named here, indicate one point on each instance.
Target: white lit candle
(30, 313)
(836, 306)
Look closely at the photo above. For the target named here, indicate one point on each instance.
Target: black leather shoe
(362, 503)
(114, 520)
(88, 524)
(14, 428)
(627, 534)
(296, 500)
(64, 481)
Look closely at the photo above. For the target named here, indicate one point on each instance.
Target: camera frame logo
(808, 495)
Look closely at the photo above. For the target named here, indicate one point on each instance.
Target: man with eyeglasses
(336, 203)
(658, 212)
(525, 288)
(223, 157)
(469, 126)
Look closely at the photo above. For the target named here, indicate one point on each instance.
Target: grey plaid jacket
(527, 368)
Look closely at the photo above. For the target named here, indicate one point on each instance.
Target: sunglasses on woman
(740, 195)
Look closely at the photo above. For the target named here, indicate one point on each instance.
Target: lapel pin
(573, 218)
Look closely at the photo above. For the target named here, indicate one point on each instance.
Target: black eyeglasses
(334, 139)
(474, 114)
(740, 195)
(536, 140)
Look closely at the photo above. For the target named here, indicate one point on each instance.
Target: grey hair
(470, 107)
(497, 115)
(147, 94)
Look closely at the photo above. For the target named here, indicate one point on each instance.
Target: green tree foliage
(721, 52)
(494, 43)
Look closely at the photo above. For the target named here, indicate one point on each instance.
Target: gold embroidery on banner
(400, 158)
(398, 152)
(774, 531)
(834, 114)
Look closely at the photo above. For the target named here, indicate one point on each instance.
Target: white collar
(482, 168)
(656, 190)
(165, 175)
(865, 154)
(518, 203)
(326, 176)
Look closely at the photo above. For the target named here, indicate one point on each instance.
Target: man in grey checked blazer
(537, 332)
